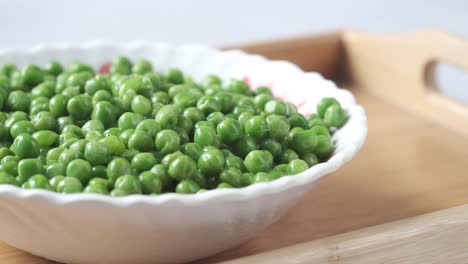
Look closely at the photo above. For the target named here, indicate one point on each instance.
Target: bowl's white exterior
(170, 228)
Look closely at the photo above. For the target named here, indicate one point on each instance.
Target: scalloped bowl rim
(249, 192)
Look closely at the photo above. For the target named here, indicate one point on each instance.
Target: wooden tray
(414, 163)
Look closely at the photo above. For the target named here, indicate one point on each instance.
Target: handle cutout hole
(448, 80)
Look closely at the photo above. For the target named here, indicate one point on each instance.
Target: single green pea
(113, 131)
(129, 120)
(142, 66)
(44, 120)
(224, 185)
(211, 79)
(99, 171)
(63, 122)
(32, 75)
(21, 127)
(187, 187)
(79, 79)
(106, 182)
(7, 69)
(275, 107)
(99, 82)
(115, 145)
(150, 183)
(185, 99)
(80, 107)
(298, 120)
(68, 155)
(242, 119)
(102, 95)
(28, 168)
(16, 81)
(105, 113)
(45, 89)
(156, 107)
(193, 114)
(141, 105)
(244, 145)
(288, 155)
(67, 138)
(10, 158)
(15, 117)
(117, 167)
(69, 185)
(211, 162)
(94, 136)
(247, 178)
(261, 99)
(176, 89)
(278, 126)
(229, 130)
(98, 188)
(71, 91)
(213, 89)
(175, 76)
(128, 183)
(204, 123)
(226, 101)
(80, 169)
(321, 131)
(143, 161)
(288, 140)
(297, 166)
(149, 126)
(263, 90)
(140, 141)
(58, 105)
(160, 97)
(324, 147)
(167, 141)
(304, 141)
(25, 146)
(53, 68)
(97, 153)
(53, 155)
(80, 67)
(6, 178)
(310, 159)
(215, 118)
(37, 181)
(192, 150)
(231, 176)
(10, 167)
(160, 171)
(154, 80)
(55, 169)
(118, 193)
(243, 108)
(256, 127)
(18, 101)
(205, 136)
(236, 86)
(258, 161)
(4, 151)
(167, 116)
(263, 177)
(273, 146)
(182, 167)
(208, 105)
(54, 181)
(92, 125)
(185, 123)
(234, 162)
(61, 82)
(121, 65)
(335, 116)
(125, 135)
(323, 105)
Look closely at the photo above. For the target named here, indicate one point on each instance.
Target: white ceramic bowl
(170, 228)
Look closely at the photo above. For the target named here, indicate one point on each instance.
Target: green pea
(244, 145)
(226, 101)
(263, 177)
(205, 136)
(53, 68)
(5, 152)
(256, 127)
(211, 79)
(129, 184)
(80, 67)
(80, 107)
(258, 161)
(96, 188)
(18, 101)
(25, 146)
(193, 114)
(97, 153)
(150, 183)
(304, 141)
(10, 167)
(28, 168)
(143, 161)
(121, 65)
(73, 129)
(187, 187)
(273, 146)
(71, 91)
(99, 82)
(92, 125)
(167, 141)
(263, 90)
(323, 105)
(288, 155)
(102, 95)
(234, 162)
(208, 105)
(125, 135)
(80, 169)
(160, 171)
(45, 89)
(68, 155)
(45, 138)
(185, 123)
(149, 126)
(118, 193)
(55, 169)
(310, 159)
(192, 150)
(237, 86)
(44, 120)
(324, 147)
(261, 99)
(140, 141)
(53, 155)
(175, 76)
(62, 82)
(141, 105)
(129, 120)
(185, 99)
(114, 144)
(232, 176)
(32, 75)
(100, 181)
(105, 113)
(160, 97)
(113, 131)
(117, 167)
(63, 122)
(297, 166)
(21, 127)
(278, 126)
(8, 69)
(79, 79)
(94, 136)
(37, 181)
(211, 162)
(229, 130)
(242, 119)
(298, 120)
(10, 158)
(215, 118)
(167, 117)
(276, 107)
(6, 178)
(335, 116)
(54, 181)
(243, 108)
(321, 131)
(38, 105)
(224, 185)
(288, 140)
(182, 167)
(69, 185)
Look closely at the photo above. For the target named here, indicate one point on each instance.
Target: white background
(25, 23)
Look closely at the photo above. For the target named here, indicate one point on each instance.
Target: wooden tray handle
(399, 67)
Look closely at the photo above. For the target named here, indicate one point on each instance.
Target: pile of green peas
(136, 131)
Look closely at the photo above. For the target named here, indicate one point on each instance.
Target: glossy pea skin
(125, 135)
(143, 161)
(187, 187)
(114, 144)
(175, 76)
(141, 105)
(105, 112)
(323, 105)
(150, 183)
(105, 182)
(18, 101)
(63, 122)
(25, 146)
(69, 185)
(117, 167)
(263, 177)
(53, 154)
(55, 169)
(98, 188)
(80, 107)
(261, 99)
(10, 167)
(224, 185)
(160, 171)
(58, 105)
(208, 105)
(297, 166)
(167, 117)
(278, 126)
(258, 161)
(288, 155)
(142, 66)
(192, 150)
(185, 123)
(324, 147)
(28, 168)
(304, 141)
(129, 184)
(21, 127)
(160, 97)
(226, 100)
(80, 169)
(140, 141)
(244, 145)
(310, 159)
(211, 162)
(167, 141)
(335, 116)
(99, 82)
(205, 136)
(272, 146)
(236, 86)
(193, 114)
(298, 120)
(182, 168)
(92, 125)
(275, 107)
(113, 131)
(256, 127)
(54, 181)
(129, 120)
(215, 118)
(234, 162)
(44, 120)
(97, 153)
(231, 176)
(45, 138)
(149, 126)
(37, 181)
(185, 99)
(46, 89)
(32, 75)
